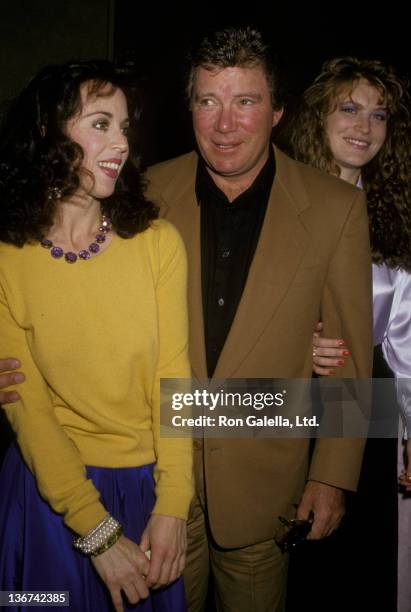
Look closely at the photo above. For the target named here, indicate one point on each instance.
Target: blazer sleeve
(346, 312)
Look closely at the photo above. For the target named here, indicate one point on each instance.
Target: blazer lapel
(281, 247)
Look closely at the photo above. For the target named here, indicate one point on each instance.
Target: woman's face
(356, 128)
(101, 131)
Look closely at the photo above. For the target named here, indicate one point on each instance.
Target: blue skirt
(36, 548)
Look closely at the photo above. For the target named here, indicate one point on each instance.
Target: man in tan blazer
(273, 247)
(308, 260)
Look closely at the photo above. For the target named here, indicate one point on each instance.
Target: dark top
(229, 237)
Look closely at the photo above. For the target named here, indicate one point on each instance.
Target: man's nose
(226, 120)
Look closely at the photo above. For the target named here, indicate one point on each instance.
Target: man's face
(233, 119)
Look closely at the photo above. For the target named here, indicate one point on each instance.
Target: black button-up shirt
(229, 237)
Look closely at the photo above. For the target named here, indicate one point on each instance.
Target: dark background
(303, 38)
(37, 32)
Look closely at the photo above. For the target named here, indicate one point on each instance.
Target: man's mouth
(226, 146)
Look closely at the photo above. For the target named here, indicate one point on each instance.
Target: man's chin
(223, 169)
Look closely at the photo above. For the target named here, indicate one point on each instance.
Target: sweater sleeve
(48, 452)
(173, 469)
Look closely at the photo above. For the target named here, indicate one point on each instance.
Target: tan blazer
(312, 262)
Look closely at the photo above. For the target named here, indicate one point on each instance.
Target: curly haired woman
(355, 124)
(92, 298)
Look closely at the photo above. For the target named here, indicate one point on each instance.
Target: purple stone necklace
(57, 252)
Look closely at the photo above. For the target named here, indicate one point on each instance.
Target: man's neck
(230, 187)
(233, 186)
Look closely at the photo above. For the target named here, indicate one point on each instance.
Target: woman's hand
(327, 353)
(123, 567)
(166, 539)
(405, 478)
(7, 378)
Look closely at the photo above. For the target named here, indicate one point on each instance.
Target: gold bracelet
(109, 543)
(99, 536)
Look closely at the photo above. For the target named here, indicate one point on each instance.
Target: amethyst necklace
(57, 252)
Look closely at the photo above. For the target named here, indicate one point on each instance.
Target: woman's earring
(54, 193)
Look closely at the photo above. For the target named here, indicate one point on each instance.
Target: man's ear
(277, 114)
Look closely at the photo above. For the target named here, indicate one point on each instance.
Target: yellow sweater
(94, 338)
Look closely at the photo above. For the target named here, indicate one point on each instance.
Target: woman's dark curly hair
(386, 178)
(39, 164)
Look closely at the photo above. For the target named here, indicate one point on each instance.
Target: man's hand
(166, 539)
(9, 377)
(327, 504)
(123, 568)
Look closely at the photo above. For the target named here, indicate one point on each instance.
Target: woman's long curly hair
(39, 164)
(386, 178)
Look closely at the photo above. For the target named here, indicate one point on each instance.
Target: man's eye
(246, 101)
(206, 102)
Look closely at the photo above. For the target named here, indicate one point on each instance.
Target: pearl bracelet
(101, 538)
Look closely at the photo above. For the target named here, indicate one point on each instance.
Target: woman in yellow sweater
(92, 298)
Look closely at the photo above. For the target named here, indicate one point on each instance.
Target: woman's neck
(76, 222)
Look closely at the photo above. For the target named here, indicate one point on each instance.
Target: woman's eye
(348, 109)
(101, 124)
(380, 116)
(125, 130)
